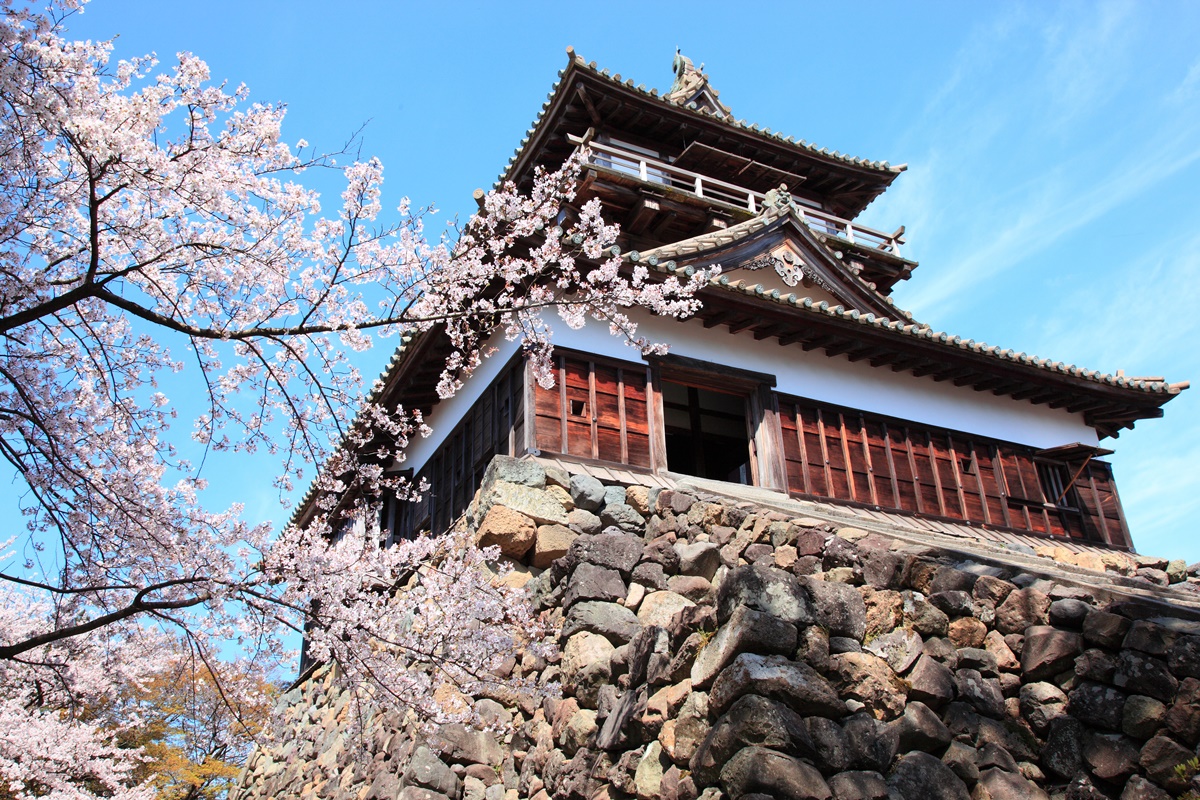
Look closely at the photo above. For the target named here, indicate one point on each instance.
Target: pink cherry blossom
(151, 223)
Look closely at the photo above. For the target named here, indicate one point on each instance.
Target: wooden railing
(652, 170)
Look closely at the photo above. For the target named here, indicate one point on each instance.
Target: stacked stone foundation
(715, 647)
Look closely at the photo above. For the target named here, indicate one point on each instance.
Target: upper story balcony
(650, 170)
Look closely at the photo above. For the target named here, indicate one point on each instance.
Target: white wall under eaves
(805, 374)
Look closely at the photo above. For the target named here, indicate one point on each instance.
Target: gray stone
(526, 472)
(426, 769)
(1146, 675)
(538, 505)
(930, 682)
(901, 648)
(764, 589)
(1111, 757)
(844, 644)
(795, 684)
(612, 621)
(586, 492)
(614, 495)
(591, 582)
(992, 755)
(1069, 613)
(617, 551)
(700, 558)
(1104, 628)
(1048, 651)
(625, 517)
(954, 603)
(1183, 719)
(871, 743)
(920, 776)
(1097, 704)
(461, 745)
(763, 771)
(650, 575)
(923, 617)
(746, 630)
(920, 729)
(1041, 703)
(839, 608)
(1062, 753)
(978, 659)
(583, 521)
(1138, 788)
(1021, 609)
(752, 720)
(1184, 657)
(960, 757)
(1148, 637)
(858, 785)
(982, 693)
(995, 784)
(1142, 716)
(1095, 664)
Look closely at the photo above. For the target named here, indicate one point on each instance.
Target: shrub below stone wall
(715, 649)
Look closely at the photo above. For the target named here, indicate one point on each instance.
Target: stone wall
(718, 647)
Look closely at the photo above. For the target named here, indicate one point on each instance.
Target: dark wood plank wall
(495, 425)
(598, 408)
(843, 454)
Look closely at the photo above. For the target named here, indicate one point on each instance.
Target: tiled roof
(923, 332)
(740, 124)
(743, 230)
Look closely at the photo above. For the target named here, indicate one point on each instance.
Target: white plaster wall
(805, 374)
(447, 413)
(858, 385)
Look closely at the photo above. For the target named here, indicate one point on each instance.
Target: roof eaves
(766, 133)
(925, 332)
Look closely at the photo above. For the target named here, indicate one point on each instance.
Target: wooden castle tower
(799, 374)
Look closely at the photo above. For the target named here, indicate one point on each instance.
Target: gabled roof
(871, 177)
(731, 246)
(1109, 403)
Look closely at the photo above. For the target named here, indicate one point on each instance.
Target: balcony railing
(652, 170)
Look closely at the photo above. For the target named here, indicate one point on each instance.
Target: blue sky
(1053, 151)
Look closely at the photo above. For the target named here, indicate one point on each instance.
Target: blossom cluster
(152, 223)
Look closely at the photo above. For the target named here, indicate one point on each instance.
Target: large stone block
(1048, 651)
(764, 589)
(869, 680)
(746, 630)
(766, 772)
(920, 776)
(793, 683)
(510, 530)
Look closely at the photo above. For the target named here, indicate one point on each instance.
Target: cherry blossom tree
(153, 223)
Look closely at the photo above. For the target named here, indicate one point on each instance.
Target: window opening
(1055, 483)
(707, 433)
(578, 408)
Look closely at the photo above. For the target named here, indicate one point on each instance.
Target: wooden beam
(927, 368)
(712, 320)
(744, 323)
(642, 215)
(667, 220)
(766, 331)
(956, 372)
(817, 341)
(867, 352)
